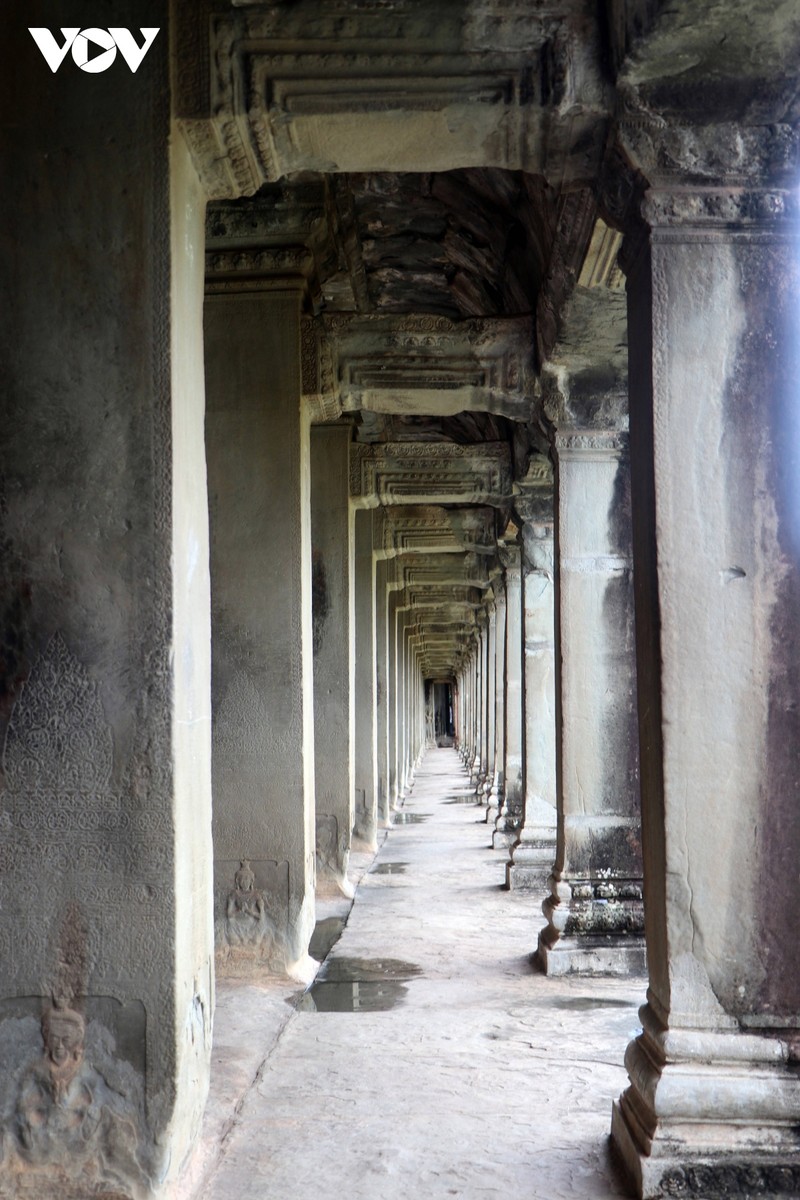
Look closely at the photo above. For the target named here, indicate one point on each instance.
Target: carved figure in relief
(244, 902)
(66, 1113)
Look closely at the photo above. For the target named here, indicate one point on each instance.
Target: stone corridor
(378, 375)
(479, 1078)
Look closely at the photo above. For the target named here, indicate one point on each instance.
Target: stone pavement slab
(457, 1071)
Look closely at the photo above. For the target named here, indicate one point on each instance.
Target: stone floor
(457, 1071)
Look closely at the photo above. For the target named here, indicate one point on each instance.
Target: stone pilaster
(533, 855)
(714, 295)
(509, 818)
(105, 809)
(365, 746)
(383, 570)
(491, 699)
(263, 749)
(495, 797)
(594, 910)
(330, 579)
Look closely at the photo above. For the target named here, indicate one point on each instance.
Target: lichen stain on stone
(320, 601)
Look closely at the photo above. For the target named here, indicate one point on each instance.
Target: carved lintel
(432, 364)
(428, 473)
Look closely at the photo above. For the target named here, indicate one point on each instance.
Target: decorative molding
(430, 473)
(715, 1180)
(721, 208)
(433, 364)
(727, 153)
(600, 268)
(316, 373)
(590, 443)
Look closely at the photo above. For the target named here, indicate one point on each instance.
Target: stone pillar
(394, 690)
(714, 298)
(330, 580)
(489, 735)
(509, 818)
(106, 941)
(477, 708)
(533, 855)
(366, 782)
(383, 569)
(263, 743)
(496, 794)
(594, 910)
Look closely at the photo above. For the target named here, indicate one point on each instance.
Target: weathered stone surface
(533, 854)
(594, 911)
(333, 669)
(104, 692)
(712, 628)
(263, 748)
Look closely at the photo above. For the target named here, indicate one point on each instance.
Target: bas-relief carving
(72, 1108)
(251, 925)
(97, 924)
(332, 847)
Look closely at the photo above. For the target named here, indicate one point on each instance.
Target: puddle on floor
(585, 1003)
(389, 868)
(359, 985)
(352, 997)
(325, 936)
(471, 799)
(409, 818)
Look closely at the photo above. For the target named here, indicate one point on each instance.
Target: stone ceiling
(441, 175)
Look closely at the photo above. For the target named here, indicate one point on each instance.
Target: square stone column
(533, 855)
(509, 818)
(366, 767)
(479, 705)
(594, 910)
(495, 798)
(384, 572)
(333, 652)
(491, 713)
(714, 298)
(393, 693)
(106, 939)
(263, 746)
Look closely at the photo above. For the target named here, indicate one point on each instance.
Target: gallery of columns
(380, 374)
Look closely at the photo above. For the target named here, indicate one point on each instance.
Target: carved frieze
(316, 372)
(432, 530)
(432, 365)
(430, 473)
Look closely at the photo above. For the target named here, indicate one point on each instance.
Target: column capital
(579, 400)
(281, 240)
(590, 444)
(674, 211)
(510, 556)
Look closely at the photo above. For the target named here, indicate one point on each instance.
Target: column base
(531, 863)
(709, 1114)
(527, 877)
(619, 955)
(503, 839)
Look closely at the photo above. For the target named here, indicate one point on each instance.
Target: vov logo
(93, 50)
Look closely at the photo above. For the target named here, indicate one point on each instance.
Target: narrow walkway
(461, 1072)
